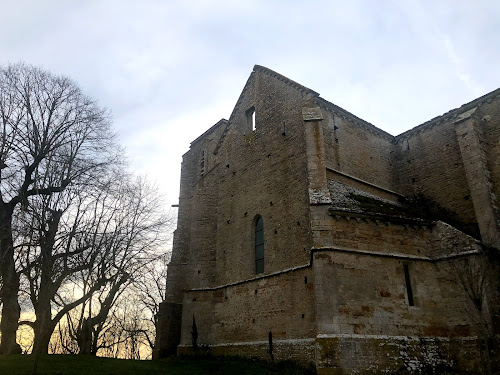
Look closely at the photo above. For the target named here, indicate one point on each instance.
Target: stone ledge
(380, 217)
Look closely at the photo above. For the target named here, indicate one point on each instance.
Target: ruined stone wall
(335, 283)
(301, 351)
(488, 117)
(441, 160)
(368, 319)
(193, 255)
(263, 172)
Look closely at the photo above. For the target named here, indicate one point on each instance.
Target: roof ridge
(212, 128)
(284, 79)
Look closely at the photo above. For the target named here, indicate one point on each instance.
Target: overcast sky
(168, 70)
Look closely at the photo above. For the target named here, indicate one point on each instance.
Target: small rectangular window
(251, 118)
(202, 164)
(259, 245)
(409, 290)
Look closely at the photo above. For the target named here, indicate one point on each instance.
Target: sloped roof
(350, 199)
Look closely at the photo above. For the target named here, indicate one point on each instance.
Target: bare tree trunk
(44, 325)
(86, 335)
(85, 338)
(11, 310)
(43, 328)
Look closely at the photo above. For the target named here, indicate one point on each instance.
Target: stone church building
(346, 247)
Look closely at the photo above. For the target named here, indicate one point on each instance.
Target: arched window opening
(259, 245)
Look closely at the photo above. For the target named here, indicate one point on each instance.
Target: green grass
(89, 365)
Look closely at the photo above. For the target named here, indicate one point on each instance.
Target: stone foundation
(360, 354)
(301, 351)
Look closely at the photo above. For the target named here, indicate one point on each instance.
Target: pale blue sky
(168, 70)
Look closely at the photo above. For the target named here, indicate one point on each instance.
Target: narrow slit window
(202, 164)
(251, 118)
(409, 290)
(259, 245)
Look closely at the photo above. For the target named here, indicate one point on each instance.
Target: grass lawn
(89, 365)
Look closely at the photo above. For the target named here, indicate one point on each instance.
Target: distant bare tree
(149, 287)
(51, 135)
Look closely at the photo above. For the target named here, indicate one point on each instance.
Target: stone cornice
(282, 78)
(340, 250)
(335, 212)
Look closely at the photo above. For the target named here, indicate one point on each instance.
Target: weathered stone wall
(473, 128)
(193, 254)
(334, 288)
(490, 122)
(301, 351)
(358, 150)
(246, 312)
(263, 172)
(432, 159)
(379, 354)
(366, 234)
(428, 161)
(168, 329)
(365, 294)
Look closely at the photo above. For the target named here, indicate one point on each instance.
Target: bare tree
(136, 311)
(150, 288)
(91, 249)
(56, 245)
(51, 136)
(117, 321)
(120, 319)
(137, 242)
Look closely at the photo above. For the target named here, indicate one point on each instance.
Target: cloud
(169, 70)
(458, 64)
